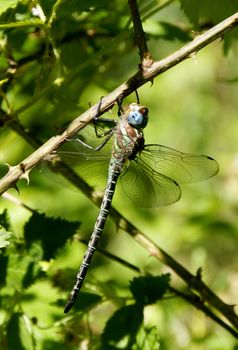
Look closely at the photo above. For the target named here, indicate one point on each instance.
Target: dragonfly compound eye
(138, 117)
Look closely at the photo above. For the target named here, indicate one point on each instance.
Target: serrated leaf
(123, 325)
(33, 273)
(5, 221)
(52, 233)
(18, 333)
(149, 289)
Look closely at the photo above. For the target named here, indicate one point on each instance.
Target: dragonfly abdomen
(97, 231)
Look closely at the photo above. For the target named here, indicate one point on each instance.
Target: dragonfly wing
(88, 163)
(181, 167)
(94, 172)
(147, 188)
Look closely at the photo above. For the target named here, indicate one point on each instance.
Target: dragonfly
(150, 174)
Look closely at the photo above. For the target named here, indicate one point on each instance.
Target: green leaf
(18, 333)
(5, 221)
(203, 11)
(123, 326)
(165, 30)
(33, 273)
(17, 268)
(215, 10)
(4, 236)
(6, 5)
(147, 290)
(148, 339)
(50, 232)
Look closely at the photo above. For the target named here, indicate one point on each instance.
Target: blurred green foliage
(56, 58)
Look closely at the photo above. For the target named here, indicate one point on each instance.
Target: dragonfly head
(137, 116)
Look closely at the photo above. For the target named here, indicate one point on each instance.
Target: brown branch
(141, 77)
(199, 304)
(145, 56)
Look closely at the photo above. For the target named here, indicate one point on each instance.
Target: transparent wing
(91, 165)
(146, 190)
(181, 167)
(152, 178)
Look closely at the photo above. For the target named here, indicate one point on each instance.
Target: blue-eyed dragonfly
(150, 174)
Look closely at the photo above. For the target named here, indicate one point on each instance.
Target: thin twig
(145, 56)
(199, 304)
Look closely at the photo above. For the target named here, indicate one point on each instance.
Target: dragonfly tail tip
(69, 304)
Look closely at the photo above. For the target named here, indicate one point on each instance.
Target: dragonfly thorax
(137, 116)
(129, 138)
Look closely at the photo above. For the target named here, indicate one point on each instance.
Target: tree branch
(141, 77)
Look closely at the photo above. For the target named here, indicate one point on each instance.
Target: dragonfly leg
(108, 136)
(97, 119)
(137, 96)
(107, 133)
(119, 104)
(105, 121)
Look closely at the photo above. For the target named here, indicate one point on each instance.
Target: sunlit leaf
(7, 4)
(4, 236)
(148, 339)
(17, 268)
(33, 273)
(19, 333)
